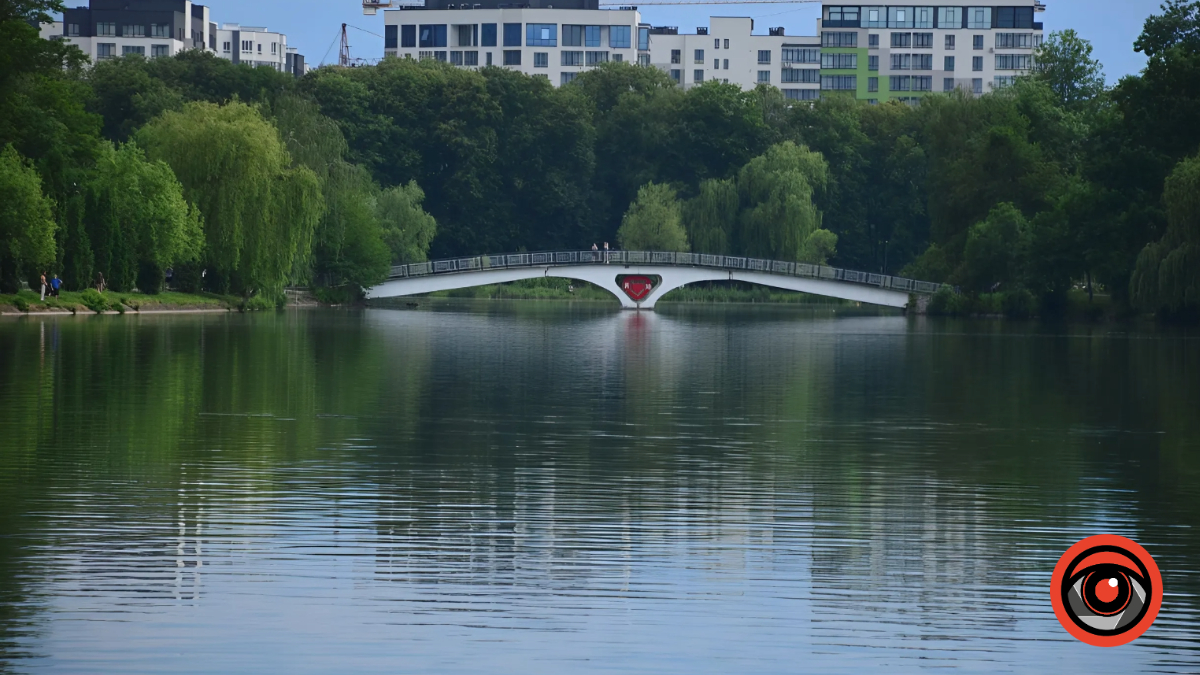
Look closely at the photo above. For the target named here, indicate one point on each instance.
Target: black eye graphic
(1106, 590)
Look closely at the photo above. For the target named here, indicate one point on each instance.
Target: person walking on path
(43, 287)
(606, 253)
(595, 254)
(55, 283)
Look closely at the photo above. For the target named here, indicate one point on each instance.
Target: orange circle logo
(1106, 590)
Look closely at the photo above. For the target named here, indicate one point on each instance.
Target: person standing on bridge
(606, 253)
(595, 252)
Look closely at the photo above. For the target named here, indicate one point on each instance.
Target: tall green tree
(1167, 277)
(779, 219)
(654, 221)
(259, 211)
(408, 230)
(26, 228)
(1177, 26)
(1064, 63)
(711, 217)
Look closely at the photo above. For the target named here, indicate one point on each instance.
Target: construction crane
(372, 6)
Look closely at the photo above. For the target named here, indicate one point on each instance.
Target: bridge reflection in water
(606, 269)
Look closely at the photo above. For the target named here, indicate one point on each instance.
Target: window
(247, 45)
(471, 58)
(1003, 81)
(424, 55)
(512, 57)
(901, 40)
(390, 36)
(466, 35)
(948, 84)
(408, 36)
(801, 94)
(922, 61)
(512, 35)
(106, 50)
(901, 61)
(130, 49)
(726, 64)
(699, 56)
(922, 17)
(676, 56)
(727, 43)
(1014, 61)
(106, 29)
(572, 36)
(618, 58)
(923, 40)
(764, 76)
(676, 75)
(487, 36)
(162, 30)
(572, 58)
(900, 17)
(764, 56)
(979, 17)
(949, 42)
(977, 42)
(618, 37)
(872, 63)
(260, 48)
(273, 44)
(643, 59)
(794, 55)
(567, 78)
(845, 16)
(949, 64)
(433, 35)
(1014, 17)
(540, 34)
(489, 58)
(874, 17)
(977, 63)
(1014, 40)
(73, 30)
(872, 84)
(872, 41)
(900, 83)
(977, 85)
(596, 58)
(591, 36)
(697, 75)
(716, 64)
(839, 61)
(829, 39)
(839, 82)
(540, 59)
(160, 50)
(1037, 40)
(801, 75)
(643, 38)
(949, 17)
(456, 58)
(716, 43)
(872, 101)
(922, 83)
(225, 47)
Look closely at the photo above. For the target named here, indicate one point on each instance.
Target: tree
(1167, 276)
(259, 211)
(989, 259)
(407, 229)
(26, 228)
(711, 217)
(778, 215)
(1064, 62)
(1178, 25)
(653, 222)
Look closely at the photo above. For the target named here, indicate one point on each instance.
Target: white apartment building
(257, 46)
(882, 52)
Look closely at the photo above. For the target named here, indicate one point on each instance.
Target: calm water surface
(538, 488)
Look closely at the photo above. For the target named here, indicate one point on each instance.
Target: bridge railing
(558, 258)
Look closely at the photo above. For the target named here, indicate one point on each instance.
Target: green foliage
(711, 216)
(1064, 63)
(653, 222)
(21, 304)
(408, 230)
(94, 300)
(779, 215)
(1178, 26)
(259, 211)
(1167, 276)
(26, 229)
(990, 260)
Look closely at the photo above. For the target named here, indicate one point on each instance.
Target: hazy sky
(313, 25)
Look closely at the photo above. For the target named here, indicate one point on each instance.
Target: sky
(315, 25)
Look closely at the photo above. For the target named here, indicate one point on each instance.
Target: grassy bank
(1076, 305)
(92, 301)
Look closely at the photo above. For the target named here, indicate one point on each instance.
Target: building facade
(153, 28)
(880, 53)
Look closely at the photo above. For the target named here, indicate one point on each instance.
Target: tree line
(1056, 183)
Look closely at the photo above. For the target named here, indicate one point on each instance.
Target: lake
(567, 488)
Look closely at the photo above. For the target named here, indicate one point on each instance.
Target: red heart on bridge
(636, 287)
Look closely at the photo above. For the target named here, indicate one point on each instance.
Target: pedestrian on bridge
(595, 252)
(606, 253)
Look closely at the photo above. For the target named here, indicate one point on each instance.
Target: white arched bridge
(639, 279)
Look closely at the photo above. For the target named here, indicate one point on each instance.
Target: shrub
(93, 300)
(21, 304)
(1018, 304)
(258, 303)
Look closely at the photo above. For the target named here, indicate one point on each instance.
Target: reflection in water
(544, 488)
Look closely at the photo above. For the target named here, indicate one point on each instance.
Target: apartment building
(153, 28)
(885, 52)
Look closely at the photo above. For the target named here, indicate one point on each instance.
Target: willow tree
(137, 222)
(711, 216)
(407, 229)
(26, 228)
(654, 221)
(779, 220)
(1167, 276)
(259, 211)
